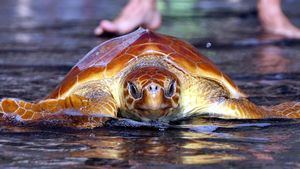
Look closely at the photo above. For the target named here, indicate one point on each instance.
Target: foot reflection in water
(270, 59)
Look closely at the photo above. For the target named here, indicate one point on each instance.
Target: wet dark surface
(41, 40)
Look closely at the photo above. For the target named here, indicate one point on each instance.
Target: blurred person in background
(145, 13)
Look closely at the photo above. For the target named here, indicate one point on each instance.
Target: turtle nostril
(153, 88)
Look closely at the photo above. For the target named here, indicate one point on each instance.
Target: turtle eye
(133, 90)
(171, 89)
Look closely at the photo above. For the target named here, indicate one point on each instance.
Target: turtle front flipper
(244, 109)
(71, 106)
(284, 110)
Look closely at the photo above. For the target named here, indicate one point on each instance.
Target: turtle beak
(153, 105)
(154, 96)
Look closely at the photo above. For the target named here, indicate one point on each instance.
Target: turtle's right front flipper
(73, 105)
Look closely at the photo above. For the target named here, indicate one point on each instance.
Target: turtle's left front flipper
(284, 110)
(71, 106)
(244, 109)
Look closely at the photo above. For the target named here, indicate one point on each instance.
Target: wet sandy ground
(41, 40)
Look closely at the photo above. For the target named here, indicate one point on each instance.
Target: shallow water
(41, 41)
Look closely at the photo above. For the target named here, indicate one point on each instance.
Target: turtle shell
(110, 57)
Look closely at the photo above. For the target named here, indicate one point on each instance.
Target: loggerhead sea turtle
(143, 76)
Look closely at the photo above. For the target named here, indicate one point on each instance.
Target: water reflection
(23, 9)
(238, 142)
(171, 147)
(138, 147)
(26, 15)
(102, 147)
(271, 59)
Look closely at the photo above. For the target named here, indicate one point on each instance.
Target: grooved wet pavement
(41, 40)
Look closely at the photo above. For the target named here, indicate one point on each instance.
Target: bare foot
(135, 13)
(274, 21)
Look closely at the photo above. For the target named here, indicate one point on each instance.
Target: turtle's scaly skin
(143, 76)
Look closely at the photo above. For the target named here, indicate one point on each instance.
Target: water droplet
(92, 135)
(208, 45)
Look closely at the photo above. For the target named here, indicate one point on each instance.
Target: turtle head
(151, 93)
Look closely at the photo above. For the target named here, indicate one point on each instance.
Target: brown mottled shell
(110, 57)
